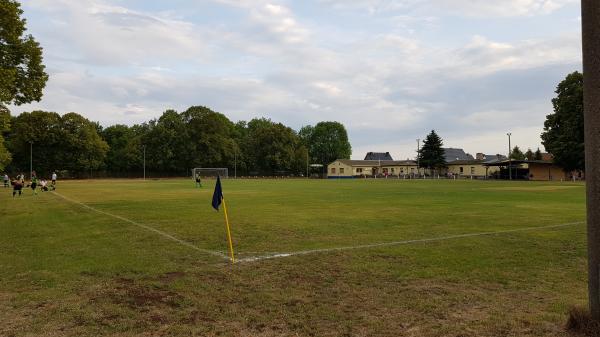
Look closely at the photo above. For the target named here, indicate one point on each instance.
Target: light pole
(144, 146)
(509, 159)
(235, 164)
(590, 23)
(418, 155)
(30, 159)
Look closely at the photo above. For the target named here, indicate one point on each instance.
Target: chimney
(480, 156)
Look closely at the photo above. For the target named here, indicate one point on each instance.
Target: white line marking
(152, 229)
(396, 243)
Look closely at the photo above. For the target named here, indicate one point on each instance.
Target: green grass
(67, 270)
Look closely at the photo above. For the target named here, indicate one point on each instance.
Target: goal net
(204, 172)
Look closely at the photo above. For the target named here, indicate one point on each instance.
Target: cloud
(475, 8)
(117, 63)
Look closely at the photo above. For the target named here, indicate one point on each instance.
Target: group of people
(19, 183)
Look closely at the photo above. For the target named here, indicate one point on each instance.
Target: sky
(390, 71)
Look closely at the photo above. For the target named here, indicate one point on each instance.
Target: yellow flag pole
(228, 231)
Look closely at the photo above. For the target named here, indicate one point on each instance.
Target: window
(392, 170)
(472, 170)
(359, 170)
(461, 170)
(412, 170)
(341, 170)
(402, 170)
(333, 170)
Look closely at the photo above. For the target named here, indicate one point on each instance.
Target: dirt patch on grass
(137, 295)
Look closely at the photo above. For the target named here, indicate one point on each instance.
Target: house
(468, 168)
(348, 168)
(378, 156)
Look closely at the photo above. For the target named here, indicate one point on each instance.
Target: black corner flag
(217, 195)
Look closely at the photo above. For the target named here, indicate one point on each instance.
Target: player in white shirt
(53, 180)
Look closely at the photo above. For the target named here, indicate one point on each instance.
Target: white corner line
(146, 227)
(397, 243)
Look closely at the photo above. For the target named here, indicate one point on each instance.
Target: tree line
(172, 144)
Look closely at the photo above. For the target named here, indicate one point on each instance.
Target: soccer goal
(204, 172)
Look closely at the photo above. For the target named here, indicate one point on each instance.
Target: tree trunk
(590, 18)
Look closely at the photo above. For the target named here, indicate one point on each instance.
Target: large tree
(326, 142)
(125, 148)
(211, 137)
(563, 129)
(272, 148)
(167, 144)
(70, 142)
(5, 156)
(82, 147)
(431, 154)
(22, 75)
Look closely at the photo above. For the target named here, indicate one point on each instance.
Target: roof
(467, 162)
(452, 154)
(351, 162)
(505, 162)
(378, 156)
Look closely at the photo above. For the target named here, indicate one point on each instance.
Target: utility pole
(235, 164)
(509, 159)
(144, 161)
(590, 24)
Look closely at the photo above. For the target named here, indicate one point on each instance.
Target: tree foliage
(563, 129)
(431, 154)
(70, 142)
(22, 73)
(326, 142)
(5, 156)
(517, 154)
(537, 155)
(174, 144)
(529, 155)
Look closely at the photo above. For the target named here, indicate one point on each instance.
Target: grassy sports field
(135, 258)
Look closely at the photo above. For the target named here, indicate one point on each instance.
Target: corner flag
(217, 195)
(217, 200)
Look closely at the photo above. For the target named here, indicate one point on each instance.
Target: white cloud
(476, 8)
(119, 65)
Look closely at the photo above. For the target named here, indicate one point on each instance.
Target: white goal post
(204, 172)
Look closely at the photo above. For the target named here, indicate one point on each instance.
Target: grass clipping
(580, 321)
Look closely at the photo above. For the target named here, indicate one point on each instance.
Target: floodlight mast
(590, 24)
(509, 158)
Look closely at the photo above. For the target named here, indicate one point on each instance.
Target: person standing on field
(53, 180)
(34, 181)
(17, 186)
(6, 179)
